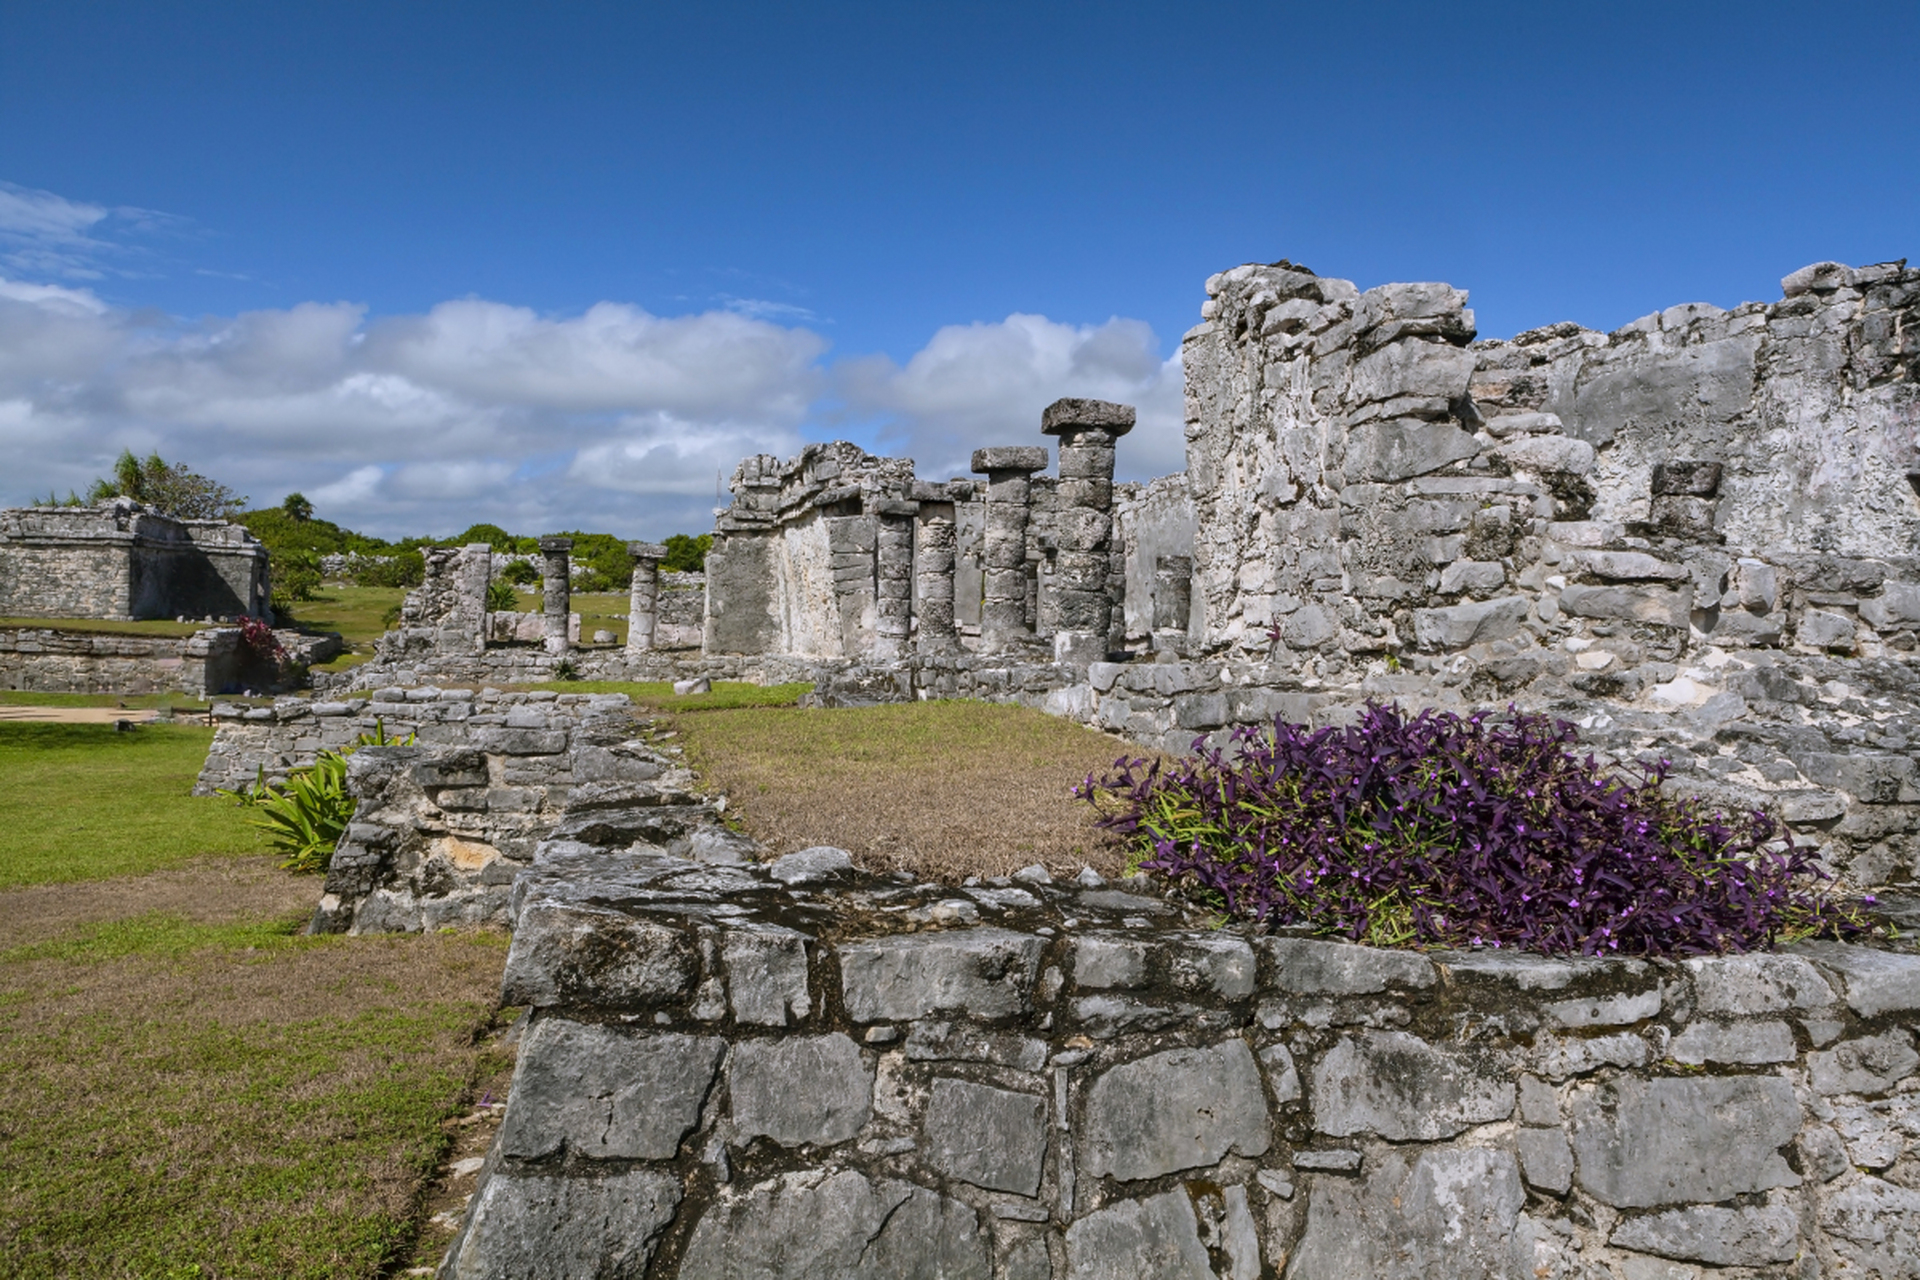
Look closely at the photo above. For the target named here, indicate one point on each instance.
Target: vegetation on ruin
(1443, 830)
(942, 789)
(304, 817)
(83, 801)
(167, 487)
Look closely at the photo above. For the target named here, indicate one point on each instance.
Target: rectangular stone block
(1641, 1144)
(985, 972)
(606, 1092)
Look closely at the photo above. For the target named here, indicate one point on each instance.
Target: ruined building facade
(122, 561)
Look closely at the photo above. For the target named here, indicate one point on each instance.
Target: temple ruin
(123, 561)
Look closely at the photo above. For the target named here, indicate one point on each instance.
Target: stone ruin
(122, 561)
(1694, 536)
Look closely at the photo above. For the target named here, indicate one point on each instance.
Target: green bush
(402, 569)
(305, 818)
(296, 577)
(685, 554)
(520, 573)
(499, 597)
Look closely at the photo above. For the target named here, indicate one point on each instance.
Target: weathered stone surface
(1545, 1159)
(841, 1226)
(1402, 449)
(1475, 622)
(1739, 1043)
(1877, 1134)
(1132, 1239)
(993, 1138)
(1400, 1087)
(1179, 1109)
(766, 976)
(1875, 982)
(1745, 1237)
(545, 1227)
(800, 1090)
(575, 955)
(1757, 983)
(606, 1092)
(1448, 1212)
(1628, 604)
(1642, 1144)
(808, 866)
(1308, 967)
(1871, 1064)
(985, 972)
(1877, 1225)
(1619, 1009)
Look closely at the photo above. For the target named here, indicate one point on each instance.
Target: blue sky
(556, 265)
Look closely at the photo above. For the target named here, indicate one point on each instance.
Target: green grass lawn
(596, 610)
(188, 1087)
(125, 701)
(149, 627)
(359, 614)
(82, 802)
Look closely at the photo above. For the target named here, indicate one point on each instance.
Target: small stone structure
(120, 560)
(794, 1070)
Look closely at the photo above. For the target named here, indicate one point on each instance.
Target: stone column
(643, 603)
(893, 567)
(558, 587)
(1088, 430)
(933, 586)
(1172, 602)
(473, 571)
(1003, 612)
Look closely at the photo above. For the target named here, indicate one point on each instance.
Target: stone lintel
(556, 543)
(897, 508)
(1071, 414)
(1010, 457)
(646, 551)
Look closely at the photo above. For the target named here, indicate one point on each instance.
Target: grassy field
(944, 789)
(124, 701)
(149, 627)
(359, 614)
(187, 1087)
(83, 802)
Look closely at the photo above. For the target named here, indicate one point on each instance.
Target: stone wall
(206, 663)
(792, 1070)
(119, 560)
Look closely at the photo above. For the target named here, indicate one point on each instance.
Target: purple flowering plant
(1437, 829)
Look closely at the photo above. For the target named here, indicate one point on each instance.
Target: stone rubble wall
(1367, 479)
(795, 1070)
(119, 560)
(202, 665)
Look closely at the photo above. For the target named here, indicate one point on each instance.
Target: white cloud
(49, 235)
(982, 384)
(611, 419)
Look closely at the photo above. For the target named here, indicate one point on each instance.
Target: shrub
(295, 576)
(520, 573)
(686, 554)
(305, 818)
(401, 569)
(1446, 830)
(499, 597)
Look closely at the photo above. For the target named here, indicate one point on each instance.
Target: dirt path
(76, 715)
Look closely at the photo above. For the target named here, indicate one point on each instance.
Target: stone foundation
(202, 665)
(793, 1070)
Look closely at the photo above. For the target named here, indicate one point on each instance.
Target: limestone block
(1400, 1087)
(1620, 1009)
(1178, 1109)
(806, 1226)
(1212, 964)
(1546, 1159)
(552, 1227)
(606, 1092)
(574, 955)
(1744, 1237)
(1103, 960)
(1130, 1239)
(1738, 1043)
(800, 1090)
(1398, 450)
(1447, 1212)
(1306, 966)
(1642, 1144)
(1631, 566)
(1897, 605)
(1875, 982)
(1548, 454)
(766, 975)
(1629, 604)
(929, 1040)
(1877, 1134)
(1472, 575)
(1757, 983)
(1823, 629)
(1412, 368)
(1875, 1227)
(993, 1138)
(986, 972)
(1474, 622)
(1868, 776)
(809, 866)
(1871, 1064)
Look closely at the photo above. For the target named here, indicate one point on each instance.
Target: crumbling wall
(50, 661)
(1368, 480)
(119, 560)
(791, 1070)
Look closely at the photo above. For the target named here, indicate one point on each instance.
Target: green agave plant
(305, 818)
